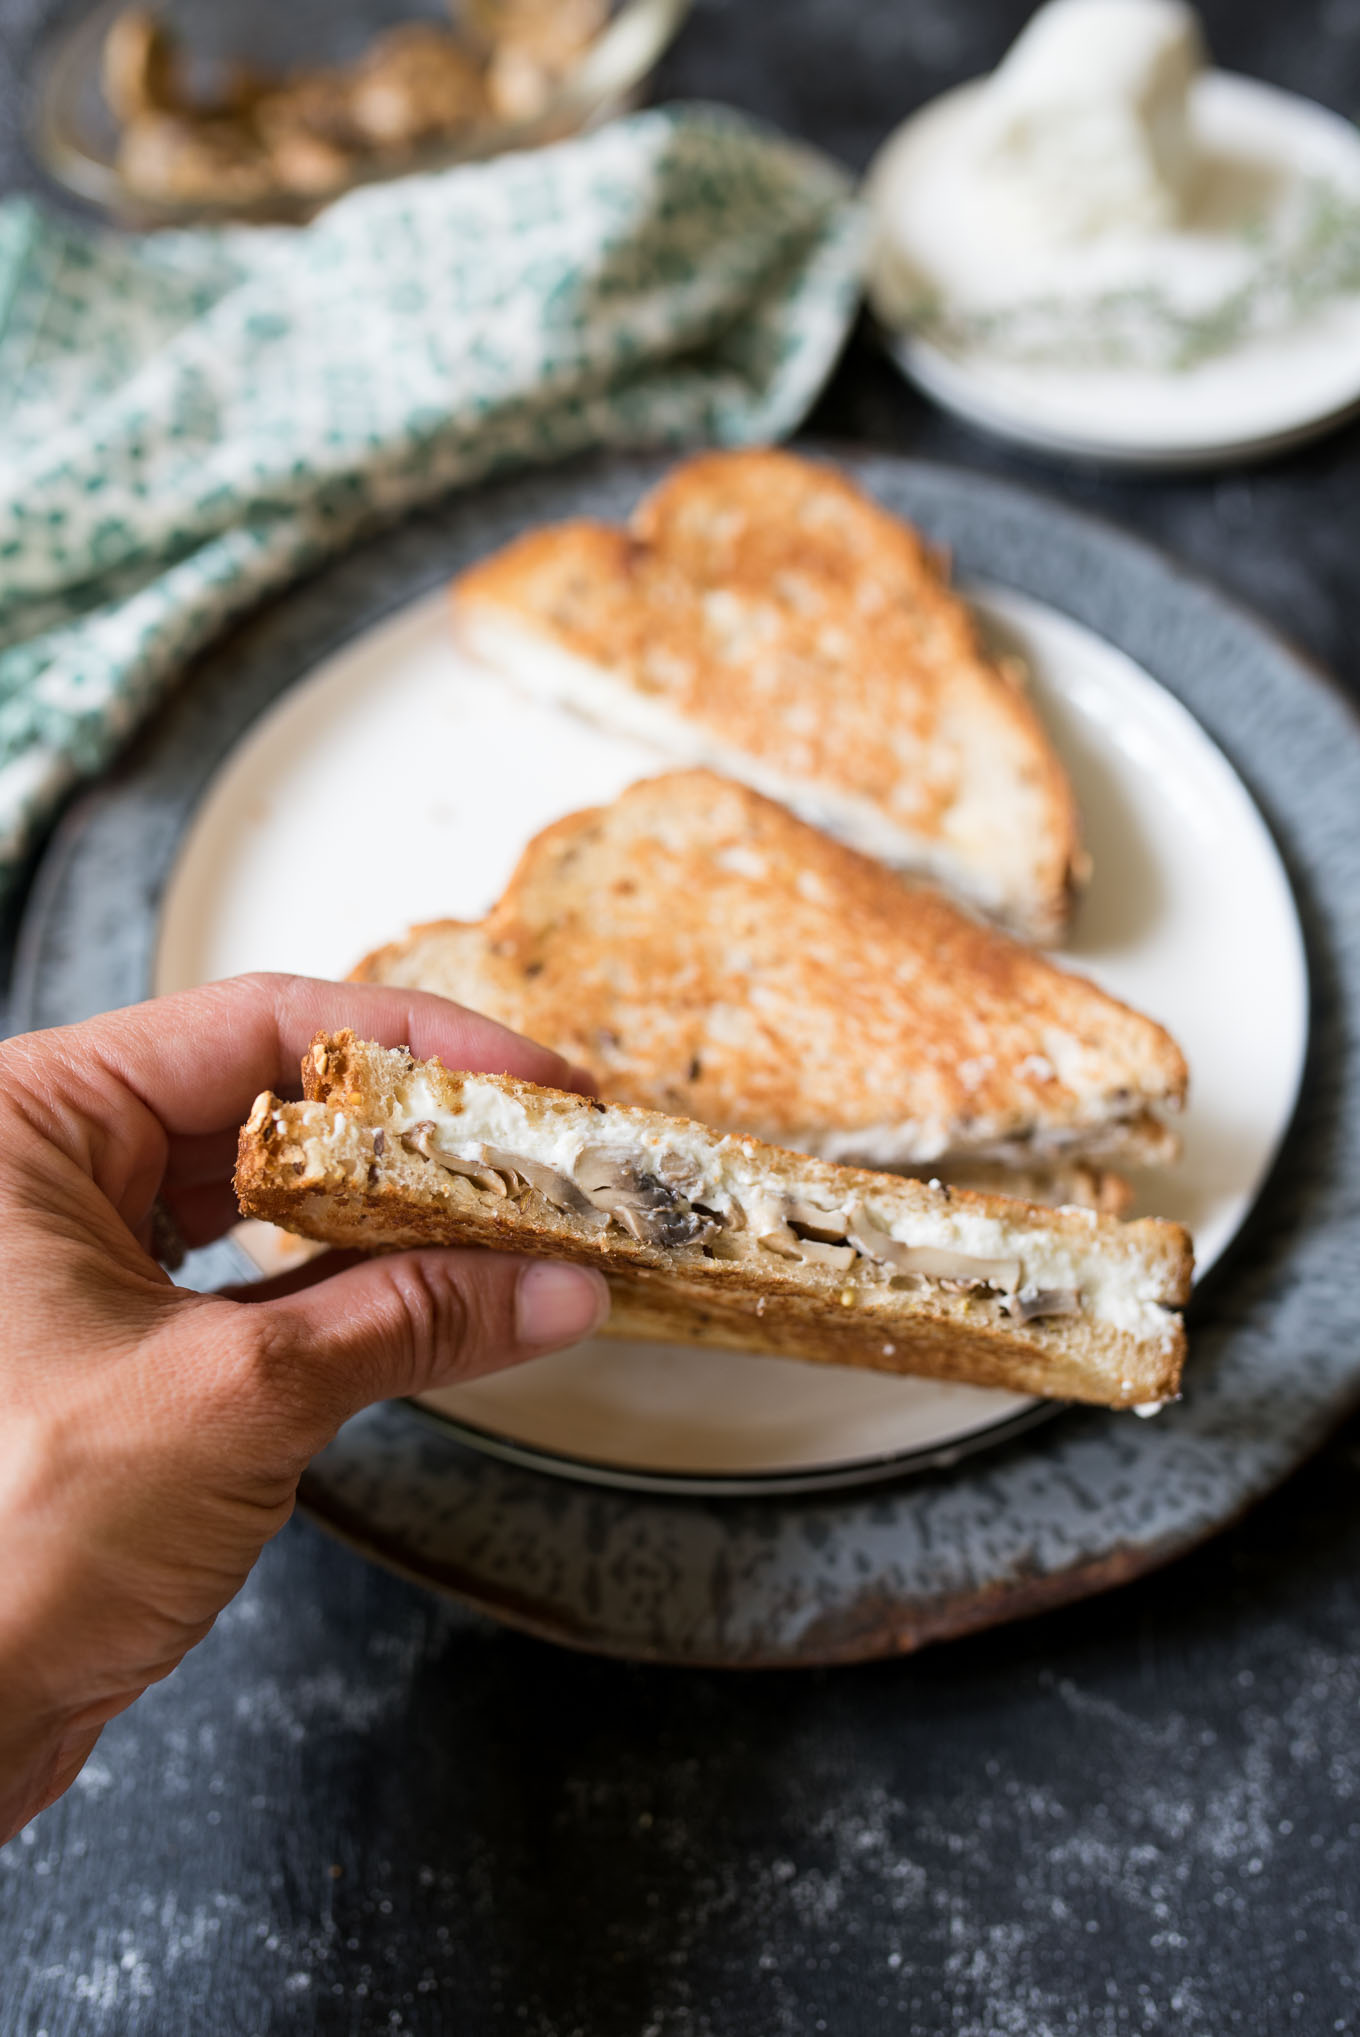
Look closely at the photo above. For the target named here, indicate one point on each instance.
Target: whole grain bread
(764, 616)
(719, 1239)
(704, 952)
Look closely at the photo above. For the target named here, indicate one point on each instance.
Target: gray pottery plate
(1082, 1502)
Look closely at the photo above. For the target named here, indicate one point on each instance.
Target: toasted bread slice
(763, 616)
(722, 1239)
(703, 951)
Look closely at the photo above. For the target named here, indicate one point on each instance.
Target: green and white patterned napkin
(188, 420)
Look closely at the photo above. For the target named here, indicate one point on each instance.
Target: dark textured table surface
(355, 1809)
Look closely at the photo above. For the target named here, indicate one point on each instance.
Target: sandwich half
(704, 952)
(763, 616)
(722, 1240)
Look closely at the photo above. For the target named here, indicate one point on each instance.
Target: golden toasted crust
(704, 952)
(763, 602)
(338, 1168)
(938, 1344)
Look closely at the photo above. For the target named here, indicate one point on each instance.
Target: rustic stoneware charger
(1087, 1499)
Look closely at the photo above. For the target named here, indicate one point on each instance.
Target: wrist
(30, 1758)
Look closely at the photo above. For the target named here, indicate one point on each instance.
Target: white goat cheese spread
(720, 1172)
(1084, 129)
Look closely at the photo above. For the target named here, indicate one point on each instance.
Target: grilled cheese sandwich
(722, 1239)
(763, 617)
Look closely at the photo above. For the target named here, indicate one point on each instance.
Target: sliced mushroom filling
(931, 1262)
(604, 1189)
(558, 1189)
(1033, 1302)
(421, 1139)
(798, 1230)
(503, 1174)
(651, 1209)
(608, 1188)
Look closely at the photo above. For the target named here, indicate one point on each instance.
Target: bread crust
(760, 601)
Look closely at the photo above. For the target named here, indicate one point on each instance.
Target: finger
(113, 1089)
(278, 1286)
(203, 1214)
(200, 1058)
(207, 1160)
(205, 1157)
(198, 1173)
(198, 1216)
(403, 1323)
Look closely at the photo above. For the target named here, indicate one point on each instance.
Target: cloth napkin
(190, 419)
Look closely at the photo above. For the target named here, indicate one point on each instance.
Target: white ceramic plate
(1189, 916)
(1259, 146)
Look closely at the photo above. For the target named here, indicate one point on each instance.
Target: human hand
(151, 1439)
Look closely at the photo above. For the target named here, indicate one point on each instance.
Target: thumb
(405, 1322)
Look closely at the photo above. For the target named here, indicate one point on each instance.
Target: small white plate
(1260, 147)
(440, 775)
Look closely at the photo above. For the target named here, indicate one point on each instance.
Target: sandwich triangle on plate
(763, 616)
(704, 952)
(720, 1239)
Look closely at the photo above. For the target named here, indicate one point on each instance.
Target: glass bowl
(76, 135)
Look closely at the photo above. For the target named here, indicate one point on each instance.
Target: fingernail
(559, 1304)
